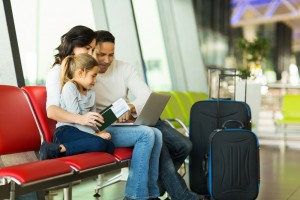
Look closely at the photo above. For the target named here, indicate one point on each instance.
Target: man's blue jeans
(175, 150)
(143, 173)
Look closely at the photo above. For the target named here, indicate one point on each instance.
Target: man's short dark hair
(104, 36)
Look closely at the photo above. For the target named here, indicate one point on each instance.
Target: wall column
(11, 72)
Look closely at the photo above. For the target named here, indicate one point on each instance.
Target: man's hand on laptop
(125, 118)
(132, 108)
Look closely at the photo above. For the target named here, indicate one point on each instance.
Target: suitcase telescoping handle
(244, 77)
(218, 70)
(218, 99)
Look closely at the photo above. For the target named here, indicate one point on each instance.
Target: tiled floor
(280, 174)
(86, 190)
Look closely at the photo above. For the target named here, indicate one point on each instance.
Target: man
(115, 80)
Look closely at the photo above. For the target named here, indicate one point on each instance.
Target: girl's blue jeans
(77, 141)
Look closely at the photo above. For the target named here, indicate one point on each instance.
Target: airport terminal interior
(178, 46)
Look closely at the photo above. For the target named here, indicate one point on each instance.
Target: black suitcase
(233, 163)
(205, 117)
(203, 121)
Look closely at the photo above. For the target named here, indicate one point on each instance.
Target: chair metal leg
(122, 176)
(12, 190)
(68, 192)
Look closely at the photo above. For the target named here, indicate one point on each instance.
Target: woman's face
(88, 49)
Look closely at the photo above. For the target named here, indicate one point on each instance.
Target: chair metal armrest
(169, 121)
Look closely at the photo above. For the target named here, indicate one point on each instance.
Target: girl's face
(87, 79)
(88, 49)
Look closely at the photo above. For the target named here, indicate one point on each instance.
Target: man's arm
(138, 88)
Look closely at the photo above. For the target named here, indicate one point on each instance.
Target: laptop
(151, 111)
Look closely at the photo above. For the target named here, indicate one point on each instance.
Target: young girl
(78, 76)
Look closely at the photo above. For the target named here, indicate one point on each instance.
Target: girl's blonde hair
(74, 62)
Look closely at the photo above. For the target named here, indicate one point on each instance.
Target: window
(152, 44)
(39, 25)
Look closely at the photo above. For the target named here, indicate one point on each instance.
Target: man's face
(104, 54)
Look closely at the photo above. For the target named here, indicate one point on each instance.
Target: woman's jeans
(77, 141)
(143, 173)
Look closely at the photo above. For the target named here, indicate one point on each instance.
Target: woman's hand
(103, 134)
(91, 119)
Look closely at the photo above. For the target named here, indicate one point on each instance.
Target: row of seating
(177, 111)
(289, 122)
(290, 110)
(24, 125)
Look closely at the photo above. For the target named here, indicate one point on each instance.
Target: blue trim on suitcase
(210, 175)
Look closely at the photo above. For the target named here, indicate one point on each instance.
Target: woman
(147, 141)
(79, 39)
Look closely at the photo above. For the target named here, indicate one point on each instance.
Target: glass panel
(152, 44)
(39, 25)
(214, 47)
